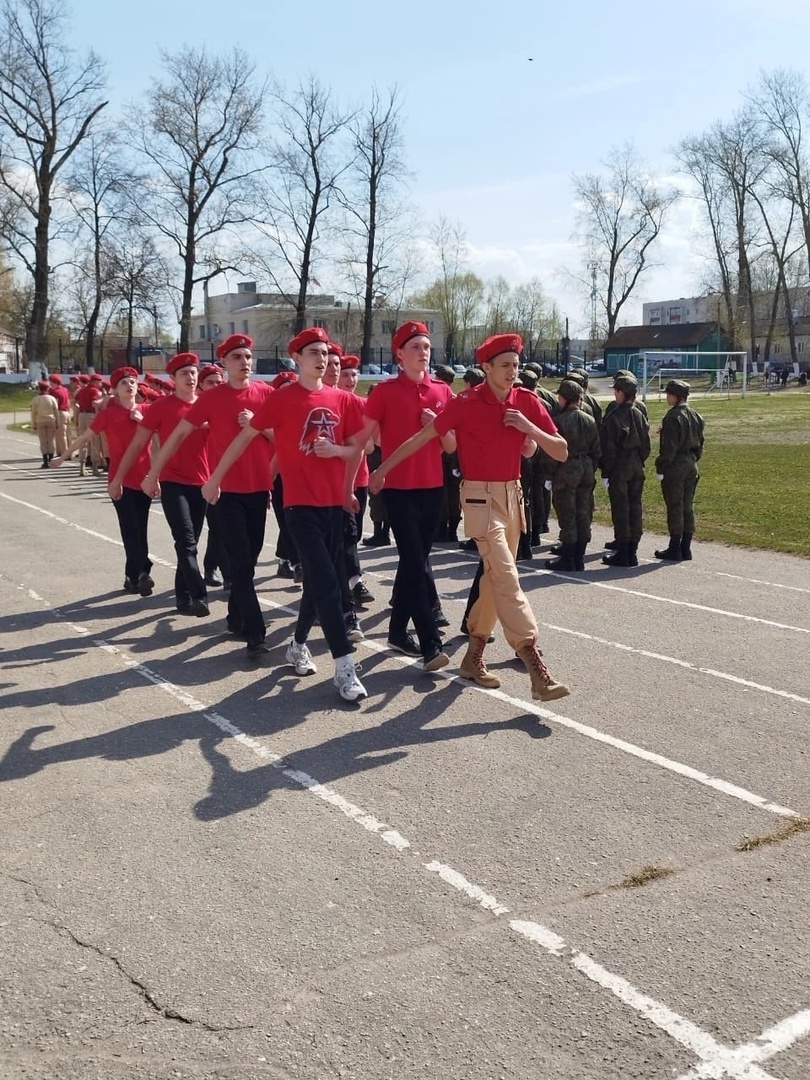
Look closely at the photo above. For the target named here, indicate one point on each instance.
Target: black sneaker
(298, 573)
(212, 580)
(405, 645)
(130, 587)
(198, 607)
(439, 615)
(360, 595)
(257, 650)
(285, 569)
(145, 584)
(353, 631)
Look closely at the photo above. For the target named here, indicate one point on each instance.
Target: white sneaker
(349, 686)
(301, 658)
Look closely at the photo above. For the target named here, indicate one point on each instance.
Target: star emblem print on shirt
(320, 424)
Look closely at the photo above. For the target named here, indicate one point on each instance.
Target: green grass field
(754, 489)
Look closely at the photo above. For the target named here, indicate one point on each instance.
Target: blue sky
(492, 136)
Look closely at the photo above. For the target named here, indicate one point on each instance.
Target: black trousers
(353, 531)
(243, 517)
(133, 521)
(285, 545)
(184, 508)
(318, 535)
(413, 515)
(215, 553)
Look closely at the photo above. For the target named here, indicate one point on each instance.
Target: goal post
(708, 372)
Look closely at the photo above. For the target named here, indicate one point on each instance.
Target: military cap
(473, 376)
(528, 378)
(569, 390)
(577, 375)
(678, 387)
(627, 384)
(445, 373)
(533, 366)
(623, 373)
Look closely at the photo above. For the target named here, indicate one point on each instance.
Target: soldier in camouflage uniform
(625, 447)
(572, 481)
(681, 446)
(589, 402)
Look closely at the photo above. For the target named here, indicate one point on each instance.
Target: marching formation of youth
(217, 446)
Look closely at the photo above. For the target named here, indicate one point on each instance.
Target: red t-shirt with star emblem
(299, 416)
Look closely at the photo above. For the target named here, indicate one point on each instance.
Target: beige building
(269, 319)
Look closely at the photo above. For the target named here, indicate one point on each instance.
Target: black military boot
(673, 552)
(381, 537)
(686, 547)
(632, 553)
(611, 545)
(565, 560)
(44, 464)
(524, 551)
(579, 554)
(620, 557)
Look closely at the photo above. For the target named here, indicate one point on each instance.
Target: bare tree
(48, 103)
(100, 190)
(728, 161)
(373, 211)
(136, 276)
(198, 133)
(782, 103)
(296, 195)
(620, 216)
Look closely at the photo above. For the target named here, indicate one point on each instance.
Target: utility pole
(592, 266)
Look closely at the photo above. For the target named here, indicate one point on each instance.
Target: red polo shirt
(219, 408)
(298, 416)
(117, 423)
(190, 464)
(86, 396)
(62, 396)
(487, 449)
(397, 406)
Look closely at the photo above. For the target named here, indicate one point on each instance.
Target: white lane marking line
(774, 1040)
(302, 779)
(79, 528)
(667, 764)
(458, 881)
(662, 658)
(684, 1031)
(758, 581)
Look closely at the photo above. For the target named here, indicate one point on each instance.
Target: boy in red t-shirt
(181, 480)
(491, 423)
(118, 420)
(227, 409)
(311, 425)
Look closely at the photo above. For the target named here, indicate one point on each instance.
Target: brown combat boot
(474, 667)
(544, 686)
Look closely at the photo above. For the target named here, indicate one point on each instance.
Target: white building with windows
(269, 319)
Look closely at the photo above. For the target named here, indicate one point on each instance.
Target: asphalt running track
(217, 869)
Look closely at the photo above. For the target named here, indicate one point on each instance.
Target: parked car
(459, 369)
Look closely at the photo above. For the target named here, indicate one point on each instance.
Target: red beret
(208, 369)
(106, 384)
(235, 341)
(183, 359)
(333, 347)
(123, 373)
(96, 378)
(407, 331)
(42, 384)
(497, 344)
(284, 378)
(307, 337)
(55, 378)
(147, 393)
(349, 362)
(84, 379)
